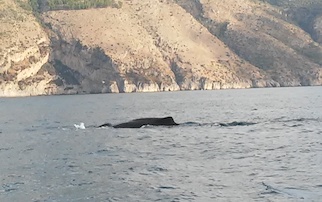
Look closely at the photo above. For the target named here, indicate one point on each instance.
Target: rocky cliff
(24, 49)
(160, 45)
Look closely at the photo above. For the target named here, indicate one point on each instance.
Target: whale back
(138, 123)
(167, 121)
(105, 125)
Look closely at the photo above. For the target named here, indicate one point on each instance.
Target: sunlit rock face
(24, 50)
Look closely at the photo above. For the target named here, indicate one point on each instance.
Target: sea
(231, 145)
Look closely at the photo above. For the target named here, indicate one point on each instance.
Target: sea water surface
(275, 156)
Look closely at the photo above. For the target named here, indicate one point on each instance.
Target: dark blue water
(278, 158)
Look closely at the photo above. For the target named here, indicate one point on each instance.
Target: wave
(222, 124)
(237, 123)
(283, 119)
(291, 192)
(80, 126)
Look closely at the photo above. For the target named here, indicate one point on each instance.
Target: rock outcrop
(24, 51)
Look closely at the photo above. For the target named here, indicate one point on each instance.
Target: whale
(138, 123)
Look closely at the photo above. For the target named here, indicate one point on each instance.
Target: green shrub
(81, 4)
(313, 52)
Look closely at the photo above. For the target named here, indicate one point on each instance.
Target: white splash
(80, 126)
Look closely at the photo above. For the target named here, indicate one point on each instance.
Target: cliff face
(24, 50)
(162, 45)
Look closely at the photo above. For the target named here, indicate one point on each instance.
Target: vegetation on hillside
(39, 6)
(81, 4)
(300, 11)
(294, 3)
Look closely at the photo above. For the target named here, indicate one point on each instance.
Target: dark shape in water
(237, 123)
(138, 123)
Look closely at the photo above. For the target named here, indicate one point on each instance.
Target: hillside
(144, 46)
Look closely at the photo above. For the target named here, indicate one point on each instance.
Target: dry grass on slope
(149, 36)
(262, 35)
